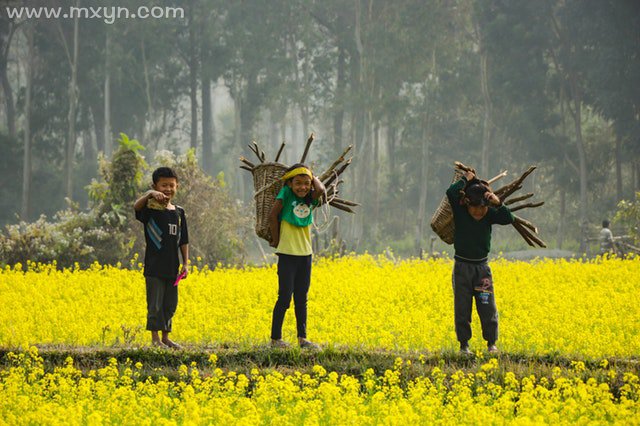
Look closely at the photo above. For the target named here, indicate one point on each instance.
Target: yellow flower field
(117, 394)
(588, 310)
(583, 311)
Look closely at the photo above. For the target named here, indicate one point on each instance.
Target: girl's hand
(274, 242)
(185, 271)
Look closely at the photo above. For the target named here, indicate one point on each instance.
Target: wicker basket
(267, 184)
(442, 220)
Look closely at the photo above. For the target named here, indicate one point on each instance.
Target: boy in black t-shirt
(165, 233)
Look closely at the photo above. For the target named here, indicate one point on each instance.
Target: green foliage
(108, 232)
(628, 214)
(217, 225)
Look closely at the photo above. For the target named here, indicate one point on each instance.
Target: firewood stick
(256, 152)
(521, 198)
(526, 223)
(246, 168)
(341, 207)
(495, 178)
(279, 152)
(461, 166)
(534, 238)
(346, 202)
(306, 148)
(338, 172)
(247, 162)
(335, 164)
(527, 205)
(531, 236)
(538, 241)
(522, 231)
(505, 192)
(259, 152)
(509, 189)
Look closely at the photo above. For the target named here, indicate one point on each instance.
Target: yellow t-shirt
(294, 240)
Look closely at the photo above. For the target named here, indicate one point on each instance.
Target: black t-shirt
(164, 232)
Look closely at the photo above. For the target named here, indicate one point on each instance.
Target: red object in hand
(181, 276)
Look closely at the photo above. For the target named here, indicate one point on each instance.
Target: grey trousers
(162, 301)
(474, 281)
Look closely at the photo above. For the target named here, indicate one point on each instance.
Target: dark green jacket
(472, 238)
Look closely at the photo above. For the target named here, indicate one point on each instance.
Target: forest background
(412, 85)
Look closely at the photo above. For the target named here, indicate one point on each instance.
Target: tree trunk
(26, 162)
(561, 219)
(338, 115)
(8, 99)
(147, 125)
(73, 105)
(391, 146)
(107, 144)
(98, 129)
(7, 36)
(424, 172)
(486, 124)
(207, 154)
(424, 159)
(237, 118)
(619, 194)
(193, 76)
(582, 157)
(376, 174)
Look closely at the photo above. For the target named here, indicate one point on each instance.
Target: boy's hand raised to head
(493, 198)
(469, 175)
(159, 196)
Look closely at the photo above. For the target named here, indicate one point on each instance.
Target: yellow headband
(296, 172)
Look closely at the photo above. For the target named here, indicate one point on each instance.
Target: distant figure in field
(475, 209)
(166, 237)
(607, 244)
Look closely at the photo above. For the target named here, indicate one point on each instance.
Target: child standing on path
(475, 208)
(290, 221)
(165, 233)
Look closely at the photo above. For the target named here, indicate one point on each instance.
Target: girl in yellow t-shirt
(290, 220)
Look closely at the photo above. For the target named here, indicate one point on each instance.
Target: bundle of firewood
(442, 221)
(267, 183)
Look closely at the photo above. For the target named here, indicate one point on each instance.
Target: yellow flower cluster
(577, 309)
(117, 394)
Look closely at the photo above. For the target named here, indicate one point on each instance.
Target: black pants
(294, 278)
(474, 280)
(162, 301)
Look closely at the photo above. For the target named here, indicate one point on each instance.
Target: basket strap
(264, 188)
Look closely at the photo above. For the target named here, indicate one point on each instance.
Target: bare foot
(158, 344)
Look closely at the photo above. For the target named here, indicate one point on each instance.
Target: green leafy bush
(628, 215)
(108, 232)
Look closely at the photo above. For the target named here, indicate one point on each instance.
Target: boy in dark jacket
(475, 209)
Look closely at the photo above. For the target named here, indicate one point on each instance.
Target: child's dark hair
(163, 172)
(474, 193)
(605, 223)
(308, 199)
